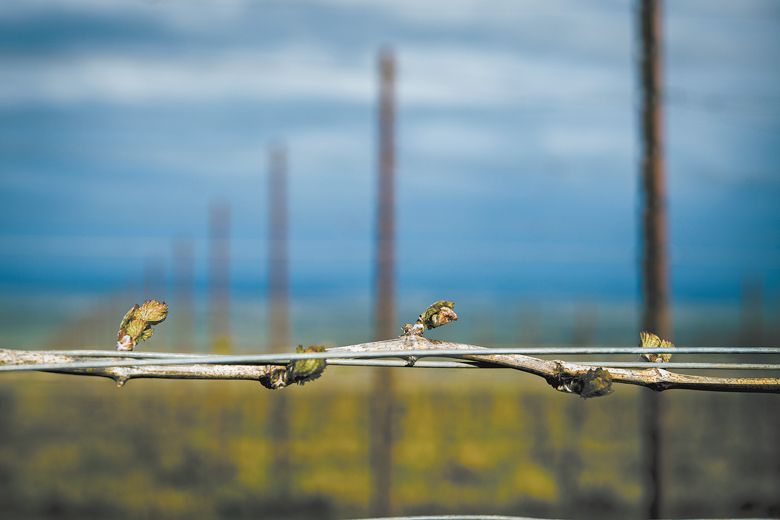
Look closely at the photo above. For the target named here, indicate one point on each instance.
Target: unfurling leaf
(650, 340)
(438, 314)
(135, 328)
(128, 316)
(304, 370)
(137, 323)
(152, 311)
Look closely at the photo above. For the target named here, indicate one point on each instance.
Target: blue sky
(122, 122)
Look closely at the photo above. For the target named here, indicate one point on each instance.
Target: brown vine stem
(122, 374)
(557, 373)
(554, 371)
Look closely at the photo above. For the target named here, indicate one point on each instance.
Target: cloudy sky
(122, 122)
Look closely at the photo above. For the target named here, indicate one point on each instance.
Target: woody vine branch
(570, 377)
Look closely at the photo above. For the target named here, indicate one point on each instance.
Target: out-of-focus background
(139, 141)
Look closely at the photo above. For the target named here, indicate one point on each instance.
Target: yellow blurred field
(466, 443)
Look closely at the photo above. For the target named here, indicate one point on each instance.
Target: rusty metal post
(383, 398)
(278, 275)
(219, 277)
(278, 312)
(219, 307)
(655, 282)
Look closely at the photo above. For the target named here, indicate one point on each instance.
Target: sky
(122, 123)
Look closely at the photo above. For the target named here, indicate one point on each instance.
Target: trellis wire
(404, 353)
(374, 358)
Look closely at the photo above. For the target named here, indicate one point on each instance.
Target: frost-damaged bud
(304, 370)
(274, 377)
(650, 340)
(438, 314)
(152, 311)
(413, 330)
(596, 382)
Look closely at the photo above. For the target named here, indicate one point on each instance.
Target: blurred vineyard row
(472, 442)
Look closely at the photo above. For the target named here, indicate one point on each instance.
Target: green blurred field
(487, 442)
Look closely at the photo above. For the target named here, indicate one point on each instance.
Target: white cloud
(339, 151)
(583, 141)
(432, 76)
(726, 8)
(481, 77)
(453, 139)
(181, 14)
(495, 13)
(596, 29)
(290, 73)
(318, 147)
